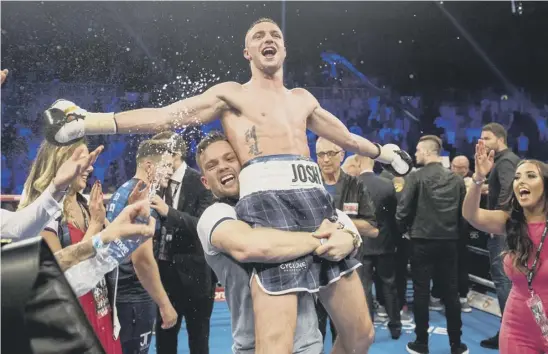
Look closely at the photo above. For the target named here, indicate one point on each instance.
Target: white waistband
(279, 175)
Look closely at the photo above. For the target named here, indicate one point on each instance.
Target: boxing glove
(394, 160)
(64, 123)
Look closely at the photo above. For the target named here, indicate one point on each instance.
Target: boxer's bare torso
(261, 122)
(257, 121)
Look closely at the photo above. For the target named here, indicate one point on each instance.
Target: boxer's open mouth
(269, 52)
(524, 192)
(227, 179)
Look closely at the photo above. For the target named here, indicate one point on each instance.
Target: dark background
(92, 36)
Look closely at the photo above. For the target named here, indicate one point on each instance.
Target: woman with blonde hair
(78, 222)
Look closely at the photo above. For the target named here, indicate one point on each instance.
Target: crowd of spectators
(363, 110)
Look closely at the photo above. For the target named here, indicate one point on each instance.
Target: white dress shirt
(31, 220)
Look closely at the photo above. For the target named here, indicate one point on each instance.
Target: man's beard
(228, 200)
(226, 196)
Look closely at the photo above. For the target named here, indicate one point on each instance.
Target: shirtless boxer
(229, 243)
(280, 186)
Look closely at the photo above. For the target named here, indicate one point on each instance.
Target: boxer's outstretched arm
(326, 125)
(246, 244)
(192, 111)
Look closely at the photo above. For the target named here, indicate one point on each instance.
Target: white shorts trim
(299, 290)
(279, 175)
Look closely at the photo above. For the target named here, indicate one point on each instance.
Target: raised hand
(140, 192)
(126, 223)
(96, 205)
(484, 160)
(74, 166)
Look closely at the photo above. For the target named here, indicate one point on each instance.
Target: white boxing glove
(65, 123)
(394, 160)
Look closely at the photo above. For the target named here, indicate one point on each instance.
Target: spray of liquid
(163, 170)
(180, 88)
(183, 87)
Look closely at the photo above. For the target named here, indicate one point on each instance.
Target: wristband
(480, 182)
(380, 151)
(97, 242)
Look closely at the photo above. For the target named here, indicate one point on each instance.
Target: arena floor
(477, 326)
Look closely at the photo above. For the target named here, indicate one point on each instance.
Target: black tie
(171, 192)
(168, 195)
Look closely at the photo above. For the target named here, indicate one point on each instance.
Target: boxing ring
(479, 300)
(477, 325)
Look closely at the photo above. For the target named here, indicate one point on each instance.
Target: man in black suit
(430, 209)
(378, 254)
(187, 278)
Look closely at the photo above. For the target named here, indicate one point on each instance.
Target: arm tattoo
(74, 254)
(251, 139)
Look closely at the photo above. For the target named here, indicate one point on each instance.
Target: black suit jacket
(186, 253)
(384, 197)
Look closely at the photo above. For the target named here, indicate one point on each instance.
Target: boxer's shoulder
(226, 87)
(304, 95)
(301, 93)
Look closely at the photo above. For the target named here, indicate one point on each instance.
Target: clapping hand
(97, 208)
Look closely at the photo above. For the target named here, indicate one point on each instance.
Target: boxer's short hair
(261, 20)
(152, 149)
(176, 142)
(255, 23)
(209, 139)
(437, 143)
(497, 130)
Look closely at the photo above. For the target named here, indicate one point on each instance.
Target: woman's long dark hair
(518, 240)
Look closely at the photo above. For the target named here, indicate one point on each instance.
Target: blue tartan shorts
(293, 210)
